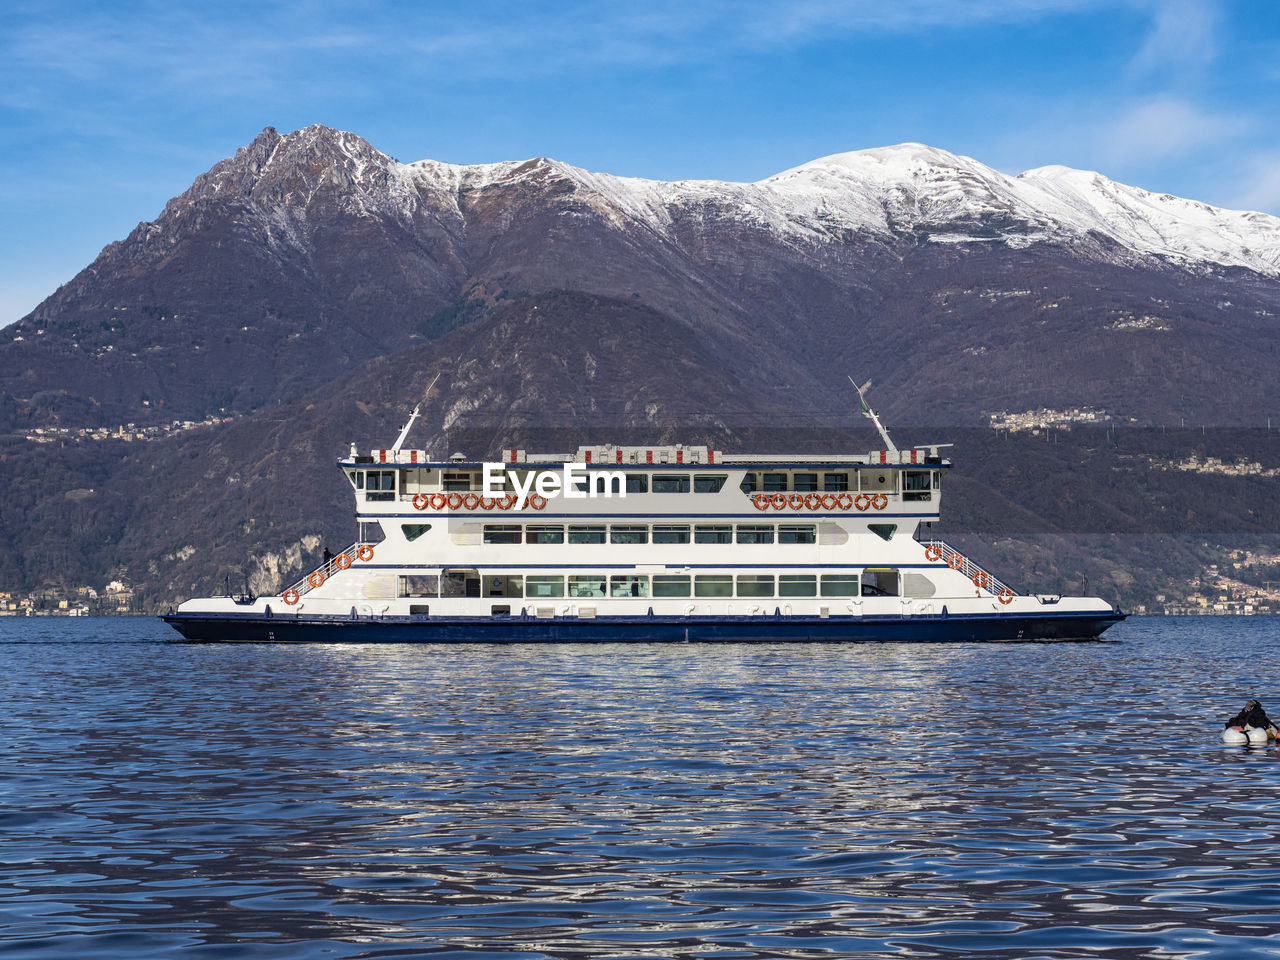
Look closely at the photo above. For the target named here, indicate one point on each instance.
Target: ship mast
(871, 415)
(395, 447)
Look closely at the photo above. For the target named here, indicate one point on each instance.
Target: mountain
(301, 294)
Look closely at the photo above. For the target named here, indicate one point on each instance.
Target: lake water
(726, 801)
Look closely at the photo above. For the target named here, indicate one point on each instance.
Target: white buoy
(1234, 736)
(1257, 735)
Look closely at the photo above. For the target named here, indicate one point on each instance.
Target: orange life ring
(438, 501)
(795, 501)
(487, 503)
(862, 501)
(311, 578)
(933, 553)
(421, 501)
(761, 500)
(365, 552)
(879, 501)
(536, 500)
(844, 501)
(342, 561)
(454, 500)
(470, 501)
(955, 561)
(1006, 595)
(813, 501)
(290, 596)
(829, 501)
(779, 501)
(980, 578)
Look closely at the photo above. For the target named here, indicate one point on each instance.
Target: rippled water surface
(735, 801)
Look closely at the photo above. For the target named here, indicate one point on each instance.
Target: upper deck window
(755, 533)
(549, 533)
(774, 482)
(380, 485)
(586, 533)
(628, 533)
(637, 483)
(703, 483)
(460, 482)
(671, 484)
(835, 482)
(670, 533)
(805, 482)
(713, 533)
(797, 533)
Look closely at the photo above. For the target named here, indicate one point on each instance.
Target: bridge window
(916, 484)
(835, 482)
(380, 485)
(774, 482)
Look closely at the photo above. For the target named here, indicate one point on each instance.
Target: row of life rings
(820, 501)
(316, 577)
(473, 501)
(933, 553)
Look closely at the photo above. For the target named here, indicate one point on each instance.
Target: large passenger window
(805, 482)
(666, 585)
(543, 586)
(835, 482)
(774, 482)
(586, 586)
(629, 586)
(797, 585)
(713, 585)
(671, 484)
(755, 585)
(708, 484)
(637, 483)
(840, 585)
(587, 533)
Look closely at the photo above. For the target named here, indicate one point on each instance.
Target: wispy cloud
(1168, 127)
(1182, 39)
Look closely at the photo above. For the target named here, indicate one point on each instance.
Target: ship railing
(980, 576)
(310, 580)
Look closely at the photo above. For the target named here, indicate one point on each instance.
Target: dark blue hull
(237, 628)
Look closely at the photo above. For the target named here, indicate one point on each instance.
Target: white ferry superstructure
(691, 544)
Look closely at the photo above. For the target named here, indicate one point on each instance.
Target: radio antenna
(871, 415)
(395, 447)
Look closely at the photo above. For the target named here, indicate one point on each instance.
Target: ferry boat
(646, 543)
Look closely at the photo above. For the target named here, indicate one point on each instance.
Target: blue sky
(110, 109)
